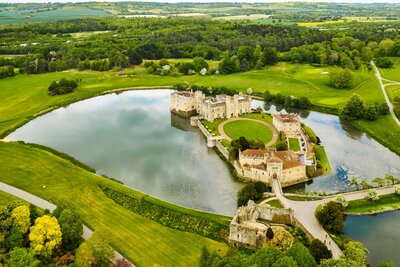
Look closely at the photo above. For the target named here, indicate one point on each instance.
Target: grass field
(143, 241)
(68, 12)
(294, 144)
(321, 155)
(392, 73)
(249, 129)
(386, 202)
(275, 203)
(7, 198)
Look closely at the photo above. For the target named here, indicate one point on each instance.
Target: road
(304, 211)
(43, 204)
(380, 79)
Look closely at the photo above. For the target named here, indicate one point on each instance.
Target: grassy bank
(6, 198)
(322, 159)
(366, 206)
(135, 236)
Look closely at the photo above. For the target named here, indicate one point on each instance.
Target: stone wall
(222, 149)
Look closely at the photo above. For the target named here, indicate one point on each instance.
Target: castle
(187, 104)
(249, 226)
(263, 165)
(287, 123)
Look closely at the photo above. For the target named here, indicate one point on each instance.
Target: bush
(372, 195)
(342, 201)
(64, 86)
(176, 220)
(310, 171)
(281, 146)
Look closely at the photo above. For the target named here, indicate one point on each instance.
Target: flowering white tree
(372, 195)
(166, 68)
(203, 71)
(397, 189)
(191, 72)
(216, 72)
(249, 91)
(342, 201)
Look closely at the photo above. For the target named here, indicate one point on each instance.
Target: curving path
(304, 211)
(390, 105)
(43, 204)
(272, 128)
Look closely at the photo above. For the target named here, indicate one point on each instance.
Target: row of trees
(356, 109)
(287, 101)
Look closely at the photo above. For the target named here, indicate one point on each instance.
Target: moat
(133, 137)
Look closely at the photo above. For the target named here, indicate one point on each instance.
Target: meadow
(134, 236)
(65, 13)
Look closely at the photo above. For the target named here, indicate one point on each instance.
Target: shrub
(64, 86)
(281, 146)
(176, 220)
(397, 189)
(372, 195)
(251, 191)
(310, 171)
(342, 201)
(384, 62)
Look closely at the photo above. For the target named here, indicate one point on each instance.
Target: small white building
(287, 123)
(263, 165)
(221, 106)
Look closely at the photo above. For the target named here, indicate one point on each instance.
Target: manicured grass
(301, 198)
(392, 73)
(275, 204)
(6, 198)
(249, 129)
(143, 241)
(386, 202)
(321, 155)
(384, 130)
(212, 126)
(294, 144)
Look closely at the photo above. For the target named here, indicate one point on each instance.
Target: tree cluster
(64, 86)
(251, 191)
(331, 217)
(242, 144)
(356, 109)
(6, 71)
(287, 101)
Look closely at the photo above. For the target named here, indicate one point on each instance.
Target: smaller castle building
(287, 123)
(264, 165)
(221, 106)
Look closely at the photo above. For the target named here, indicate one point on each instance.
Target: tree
(301, 255)
(372, 195)
(251, 191)
(282, 146)
(365, 185)
(384, 62)
(355, 251)
(15, 238)
(353, 181)
(101, 247)
(265, 257)
(319, 250)
(390, 179)
(379, 181)
(84, 255)
(21, 218)
(270, 233)
(22, 257)
(71, 228)
(45, 236)
(331, 217)
(340, 78)
(397, 189)
(371, 113)
(285, 261)
(134, 57)
(342, 201)
(199, 63)
(354, 108)
(227, 66)
(270, 56)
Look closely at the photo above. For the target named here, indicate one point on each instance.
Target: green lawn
(386, 202)
(294, 144)
(7, 198)
(143, 241)
(392, 73)
(301, 198)
(321, 155)
(275, 204)
(249, 129)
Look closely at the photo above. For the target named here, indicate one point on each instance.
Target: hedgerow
(176, 220)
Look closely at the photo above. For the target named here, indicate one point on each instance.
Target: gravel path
(378, 75)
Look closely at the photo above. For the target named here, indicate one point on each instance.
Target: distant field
(344, 20)
(24, 95)
(245, 17)
(22, 16)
